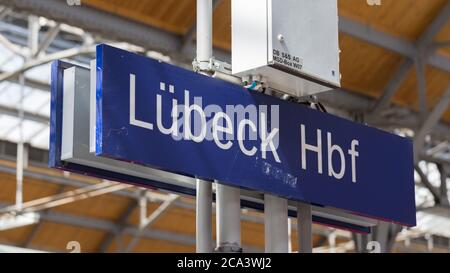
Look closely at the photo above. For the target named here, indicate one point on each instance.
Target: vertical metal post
(430, 242)
(142, 209)
(276, 229)
(332, 241)
(443, 186)
(204, 243)
(359, 241)
(381, 234)
(304, 228)
(20, 148)
(33, 39)
(228, 219)
(289, 235)
(421, 85)
(33, 44)
(19, 175)
(204, 32)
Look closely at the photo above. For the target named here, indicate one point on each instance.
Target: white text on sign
(193, 122)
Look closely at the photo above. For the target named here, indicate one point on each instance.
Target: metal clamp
(228, 249)
(255, 83)
(211, 66)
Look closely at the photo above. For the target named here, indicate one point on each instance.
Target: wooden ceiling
(54, 236)
(365, 68)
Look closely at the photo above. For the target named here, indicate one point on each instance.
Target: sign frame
(320, 215)
(133, 91)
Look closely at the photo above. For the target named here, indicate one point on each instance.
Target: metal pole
(20, 149)
(276, 230)
(289, 235)
(33, 42)
(228, 219)
(204, 243)
(204, 32)
(33, 39)
(19, 177)
(332, 241)
(421, 85)
(304, 228)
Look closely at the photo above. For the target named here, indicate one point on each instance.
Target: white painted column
(228, 219)
(304, 227)
(204, 242)
(204, 32)
(227, 198)
(276, 228)
(289, 235)
(20, 148)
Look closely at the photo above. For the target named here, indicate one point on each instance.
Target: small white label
(286, 59)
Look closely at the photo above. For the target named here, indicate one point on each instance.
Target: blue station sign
(166, 117)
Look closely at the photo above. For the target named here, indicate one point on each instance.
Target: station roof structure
(395, 66)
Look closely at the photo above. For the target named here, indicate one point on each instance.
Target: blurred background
(395, 66)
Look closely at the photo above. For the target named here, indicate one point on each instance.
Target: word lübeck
(199, 124)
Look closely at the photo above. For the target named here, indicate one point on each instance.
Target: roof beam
(61, 180)
(120, 28)
(420, 58)
(67, 53)
(392, 86)
(358, 103)
(35, 84)
(393, 43)
(108, 226)
(38, 227)
(4, 12)
(121, 223)
(112, 27)
(5, 110)
(98, 22)
(19, 35)
(434, 28)
(373, 36)
(421, 85)
(441, 44)
(428, 185)
(431, 120)
(146, 222)
(443, 186)
(48, 39)
(94, 223)
(60, 199)
(18, 50)
(439, 61)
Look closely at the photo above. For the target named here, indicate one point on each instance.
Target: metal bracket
(255, 83)
(211, 66)
(229, 249)
(311, 101)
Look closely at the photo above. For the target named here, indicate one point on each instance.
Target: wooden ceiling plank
(424, 40)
